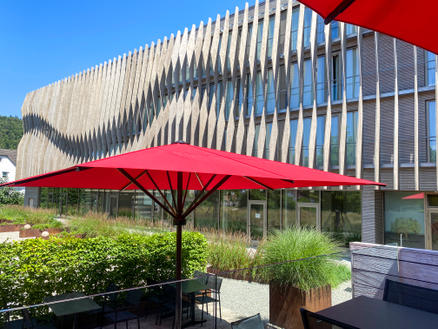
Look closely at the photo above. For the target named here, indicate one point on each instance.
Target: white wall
(6, 165)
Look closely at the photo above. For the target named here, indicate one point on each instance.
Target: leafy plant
(8, 195)
(302, 258)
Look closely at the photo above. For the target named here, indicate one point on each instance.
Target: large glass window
(352, 73)
(334, 29)
(256, 141)
(305, 142)
(294, 29)
(321, 92)
(404, 220)
(307, 83)
(268, 139)
(430, 68)
(270, 96)
(295, 87)
(259, 40)
(259, 101)
(274, 209)
(289, 208)
(350, 30)
(207, 213)
(319, 147)
(320, 36)
(293, 137)
(234, 210)
(248, 40)
(431, 131)
(336, 77)
(271, 35)
(282, 92)
(210, 95)
(219, 97)
(341, 214)
(239, 94)
(334, 142)
(351, 138)
(250, 97)
(229, 99)
(306, 27)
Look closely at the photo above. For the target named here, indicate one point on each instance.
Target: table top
(73, 306)
(369, 313)
(192, 286)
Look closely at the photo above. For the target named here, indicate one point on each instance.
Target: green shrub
(310, 270)
(33, 269)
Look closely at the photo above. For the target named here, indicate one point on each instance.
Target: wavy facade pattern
(271, 81)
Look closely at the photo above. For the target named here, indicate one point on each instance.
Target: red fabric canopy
(157, 167)
(413, 22)
(416, 196)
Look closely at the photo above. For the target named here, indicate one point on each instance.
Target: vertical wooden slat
(328, 116)
(377, 115)
(359, 140)
(313, 58)
(416, 142)
(396, 121)
(343, 119)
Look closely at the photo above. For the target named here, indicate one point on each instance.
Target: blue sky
(45, 41)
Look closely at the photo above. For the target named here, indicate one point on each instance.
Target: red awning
(413, 22)
(157, 168)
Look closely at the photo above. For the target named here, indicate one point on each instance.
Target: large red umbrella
(409, 21)
(181, 167)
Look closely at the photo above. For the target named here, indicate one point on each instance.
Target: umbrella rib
(199, 180)
(338, 10)
(149, 194)
(159, 190)
(126, 186)
(204, 188)
(187, 186)
(259, 183)
(171, 190)
(205, 196)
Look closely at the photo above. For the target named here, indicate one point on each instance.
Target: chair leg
(220, 307)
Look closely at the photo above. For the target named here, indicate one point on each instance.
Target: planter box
(285, 303)
(11, 227)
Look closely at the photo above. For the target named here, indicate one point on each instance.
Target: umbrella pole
(179, 221)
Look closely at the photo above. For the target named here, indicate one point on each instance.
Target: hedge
(33, 269)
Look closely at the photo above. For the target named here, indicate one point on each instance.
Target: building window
(321, 90)
(271, 35)
(430, 68)
(319, 147)
(294, 29)
(431, 131)
(248, 39)
(350, 30)
(259, 94)
(250, 97)
(227, 57)
(352, 73)
(351, 138)
(5, 175)
(219, 97)
(334, 29)
(282, 92)
(307, 83)
(210, 95)
(336, 78)
(239, 94)
(256, 141)
(268, 139)
(320, 35)
(305, 142)
(229, 99)
(295, 87)
(307, 26)
(404, 220)
(293, 137)
(259, 40)
(270, 96)
(334, 142)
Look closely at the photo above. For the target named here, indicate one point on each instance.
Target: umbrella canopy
(181, 167)
(406, 20)
(416, 196)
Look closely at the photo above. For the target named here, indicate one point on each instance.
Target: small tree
(10, 196)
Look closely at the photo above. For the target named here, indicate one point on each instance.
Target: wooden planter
(285, 303)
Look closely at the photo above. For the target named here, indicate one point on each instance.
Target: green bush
(33, 269)
(309, 272)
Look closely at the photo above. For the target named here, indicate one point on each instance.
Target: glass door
(308, 215)
(257, 223)
(433, 215)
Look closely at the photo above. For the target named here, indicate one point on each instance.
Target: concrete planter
(285, 303)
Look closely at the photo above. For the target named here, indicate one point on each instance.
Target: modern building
(271, 81)
(8, 160)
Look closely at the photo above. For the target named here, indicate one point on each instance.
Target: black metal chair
(116, 309)
(211, 295)
(412, 296)
(201, 276)
(252, 322)
(315, 321)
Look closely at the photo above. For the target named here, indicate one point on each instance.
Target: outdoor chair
(27, 322)
(166, 301)
(315, 321)
(115, 309)
(201, 276)
(252, 322)
(412, 296)
(211, 295)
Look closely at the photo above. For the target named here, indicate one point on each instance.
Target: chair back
(252, 322)
(315, 321)
(201, 276)
(412, 296)
(214, 283)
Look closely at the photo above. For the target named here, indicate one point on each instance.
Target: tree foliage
(11, 131)
(10, 196)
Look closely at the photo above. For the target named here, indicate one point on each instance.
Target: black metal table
(369, 313)
(72, 307)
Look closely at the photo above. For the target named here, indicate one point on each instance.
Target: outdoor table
(72, 307)
(370, 313)
(190, 288)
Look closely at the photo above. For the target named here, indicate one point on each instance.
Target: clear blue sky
(45, 41)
